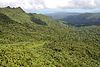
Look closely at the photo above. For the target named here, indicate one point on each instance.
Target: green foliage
(27, 43)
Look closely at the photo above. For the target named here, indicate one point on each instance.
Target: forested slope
(34, 40)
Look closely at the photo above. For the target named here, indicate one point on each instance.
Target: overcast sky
(55, 5)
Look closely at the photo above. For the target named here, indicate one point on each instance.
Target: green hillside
(34, 40)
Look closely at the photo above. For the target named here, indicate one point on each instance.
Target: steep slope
(11, 25)
(16, 14)
(34, 40)
(16, 25)
(84, 19)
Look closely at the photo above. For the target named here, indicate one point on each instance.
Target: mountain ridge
(83, 19)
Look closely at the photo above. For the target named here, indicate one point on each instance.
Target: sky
(49, 6)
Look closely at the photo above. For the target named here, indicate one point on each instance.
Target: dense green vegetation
(34, 40)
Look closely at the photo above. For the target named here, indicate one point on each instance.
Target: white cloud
(25, 4)
(43, 4)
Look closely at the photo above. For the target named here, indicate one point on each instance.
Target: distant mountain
(60, 15)
(83, 19)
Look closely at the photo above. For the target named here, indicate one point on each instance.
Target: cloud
(72, 3)
(50, 4)
(25, 4)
